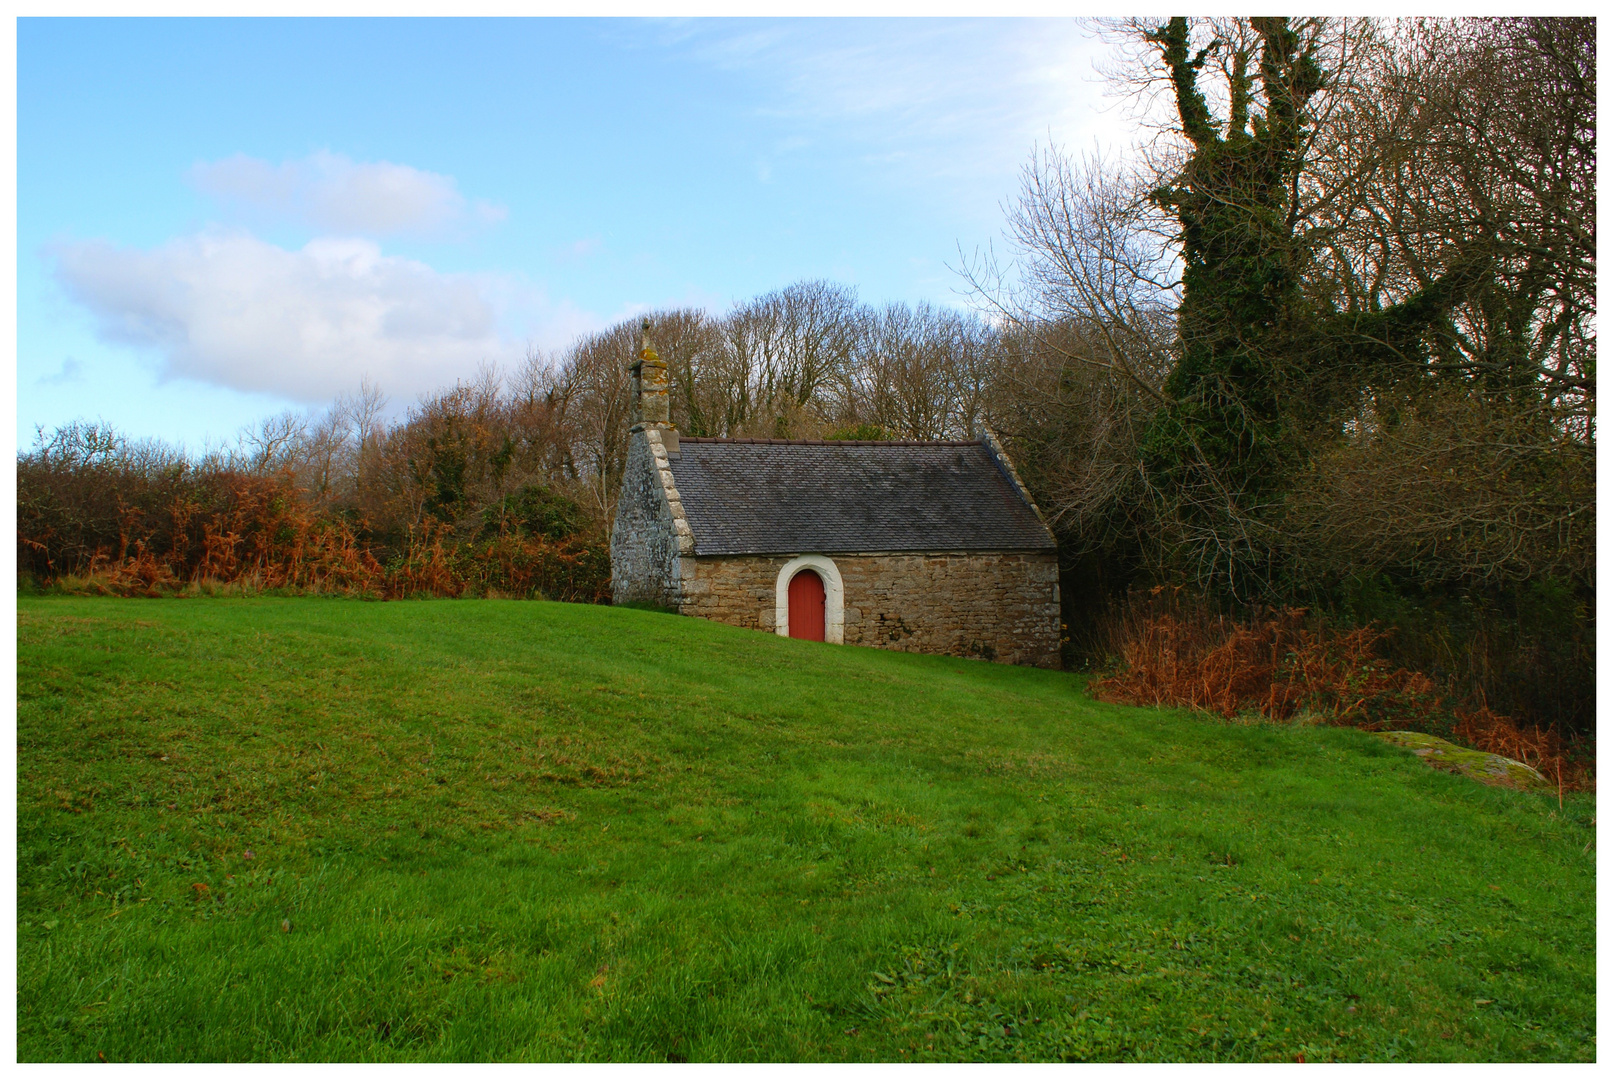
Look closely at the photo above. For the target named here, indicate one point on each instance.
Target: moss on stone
(1486, 768)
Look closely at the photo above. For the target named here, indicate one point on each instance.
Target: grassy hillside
(504, 830)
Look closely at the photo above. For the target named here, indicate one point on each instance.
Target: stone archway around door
(834, 596)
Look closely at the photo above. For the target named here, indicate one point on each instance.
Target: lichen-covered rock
(1485, 768)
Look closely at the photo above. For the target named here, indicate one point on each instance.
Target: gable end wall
(650, 542)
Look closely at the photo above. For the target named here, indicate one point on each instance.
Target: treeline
(505, 485)
(98, 513)
(1330, 347)
(1332, 341)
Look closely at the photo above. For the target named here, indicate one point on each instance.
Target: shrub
(93, 518)
(534, 510)
(1279, 665)
(862, 433)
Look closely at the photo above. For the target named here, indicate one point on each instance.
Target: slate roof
(777, 496)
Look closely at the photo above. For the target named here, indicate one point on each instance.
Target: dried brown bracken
(1279, 665)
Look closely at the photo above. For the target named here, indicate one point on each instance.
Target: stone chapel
(931, 547)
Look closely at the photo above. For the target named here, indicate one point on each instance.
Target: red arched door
(806, 606)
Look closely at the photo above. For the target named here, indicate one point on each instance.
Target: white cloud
(333, 193)
(229, 309)
(958, 97)
(72, 371)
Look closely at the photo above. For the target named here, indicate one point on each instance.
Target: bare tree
(1087, 306)
(1434, 222)
(1479, 466)
(783, 351)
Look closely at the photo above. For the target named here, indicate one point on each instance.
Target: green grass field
(516, 830)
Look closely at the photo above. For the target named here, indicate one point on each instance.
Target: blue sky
(219, 220)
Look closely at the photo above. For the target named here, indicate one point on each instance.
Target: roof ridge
(831, 442)
(902, 495)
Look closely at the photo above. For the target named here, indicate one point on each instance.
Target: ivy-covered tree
(1267, 368)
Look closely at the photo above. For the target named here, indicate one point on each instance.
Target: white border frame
(834, 596)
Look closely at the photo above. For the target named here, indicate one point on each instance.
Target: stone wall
(993, 606)
(650, 533)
